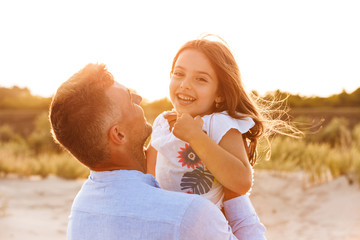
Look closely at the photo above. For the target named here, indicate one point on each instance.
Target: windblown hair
(78, 114)
(236, 102)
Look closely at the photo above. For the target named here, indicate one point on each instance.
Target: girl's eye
(178, 74)
(201, 79)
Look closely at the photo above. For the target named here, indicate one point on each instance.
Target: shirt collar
(108, 176)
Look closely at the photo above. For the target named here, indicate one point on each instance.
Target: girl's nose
(186, 83)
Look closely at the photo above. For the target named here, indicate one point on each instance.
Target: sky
(308, 47)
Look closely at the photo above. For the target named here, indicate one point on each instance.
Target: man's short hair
(78, 114)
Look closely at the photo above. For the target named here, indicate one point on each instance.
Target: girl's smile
(194, 84)
(185, 99)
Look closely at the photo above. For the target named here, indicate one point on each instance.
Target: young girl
(209, 141)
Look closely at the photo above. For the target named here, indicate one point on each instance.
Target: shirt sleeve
(220, 124)
(243, 219)
(203, 220)
(160, 133)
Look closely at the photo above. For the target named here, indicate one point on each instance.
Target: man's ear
(116, 135)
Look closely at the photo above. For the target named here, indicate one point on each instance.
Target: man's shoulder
(179, 199)
(143, 207)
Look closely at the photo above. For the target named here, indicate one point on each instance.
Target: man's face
(132, 115)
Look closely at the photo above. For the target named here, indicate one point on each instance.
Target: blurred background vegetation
(330, 148)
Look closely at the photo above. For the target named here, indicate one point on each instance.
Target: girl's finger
(199, 119)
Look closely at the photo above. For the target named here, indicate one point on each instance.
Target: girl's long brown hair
(236, 102)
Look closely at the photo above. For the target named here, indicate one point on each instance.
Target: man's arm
(243, 219)
(203, 220)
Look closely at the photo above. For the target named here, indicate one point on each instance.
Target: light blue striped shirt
(127, 204)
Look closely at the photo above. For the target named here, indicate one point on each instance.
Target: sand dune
(34, 208)
(290, 211)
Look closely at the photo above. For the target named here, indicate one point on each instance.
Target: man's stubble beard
(138, 145)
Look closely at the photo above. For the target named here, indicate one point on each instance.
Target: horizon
(156, 99)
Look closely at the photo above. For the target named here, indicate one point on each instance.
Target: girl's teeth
(186, 98)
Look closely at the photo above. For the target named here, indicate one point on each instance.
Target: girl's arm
(228, 161)
(151, 154)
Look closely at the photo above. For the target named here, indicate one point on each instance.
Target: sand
(291, 211)
(35, 208)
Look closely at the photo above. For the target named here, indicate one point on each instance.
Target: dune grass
(322, 155)
(320, 161)
(4, 203)
(334, 151)
(15, 158)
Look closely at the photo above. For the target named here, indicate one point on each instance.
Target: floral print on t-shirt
(188, 157)
(198, 181)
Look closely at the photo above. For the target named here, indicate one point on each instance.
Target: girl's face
(194, 85)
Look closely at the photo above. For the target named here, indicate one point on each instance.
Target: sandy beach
(35, 208)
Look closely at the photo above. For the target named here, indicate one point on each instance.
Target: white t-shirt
(178, 168)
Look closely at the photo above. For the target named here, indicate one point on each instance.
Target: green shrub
(7, 134)
(356, 135)
(24, 163)
(40, 140)
(320, 161)
(336, 133)
(153, 109)
(68, 167)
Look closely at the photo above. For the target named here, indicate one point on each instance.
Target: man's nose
(136, 98)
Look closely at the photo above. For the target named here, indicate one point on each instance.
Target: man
(100, 122)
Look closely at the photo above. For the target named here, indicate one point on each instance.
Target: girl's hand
(228, 194)
(151, 155)
(171, 118)
(187, 128)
